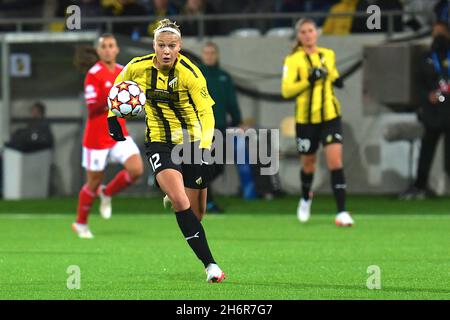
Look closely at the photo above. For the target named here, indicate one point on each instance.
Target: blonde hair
(166, 25)
(298, 25)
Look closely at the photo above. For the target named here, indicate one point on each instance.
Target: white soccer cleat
(214, 274)
(167, 203)
(344, 219)
(304, 210)
(82, 230)
(105, 204)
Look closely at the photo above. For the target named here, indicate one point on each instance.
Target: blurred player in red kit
(98, 146)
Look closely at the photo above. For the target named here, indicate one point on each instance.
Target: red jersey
(97, 84)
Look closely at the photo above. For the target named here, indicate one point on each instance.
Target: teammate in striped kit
(310, 75)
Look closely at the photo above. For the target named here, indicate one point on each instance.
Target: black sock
(306, 179)
(339, 188)
(193, 231)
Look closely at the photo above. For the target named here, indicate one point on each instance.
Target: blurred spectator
(59, 11)
(340, 25)
(146, 4)
(442, 11)
(196, 8)
(126, 8)
(20, 9)
(320, 6)
(221, 88)
(40, 125)
(37, 135)
(287, 6)
(160, 9)
(355, 24)
(418, 13)
(435, 111)
(112, 7)
(90, 9)
(250, 7)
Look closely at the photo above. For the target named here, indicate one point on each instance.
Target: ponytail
(296, 46)
(85, 57)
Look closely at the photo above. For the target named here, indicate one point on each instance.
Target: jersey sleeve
(334, 73)
(93, 96)
(199, 92)
(292, 84)
(125, 74)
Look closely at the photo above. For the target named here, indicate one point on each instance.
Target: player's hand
(115, 130)
(338, 83)
(316, 74)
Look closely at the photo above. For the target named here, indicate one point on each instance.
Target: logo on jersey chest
(161, 95)
(173, 83)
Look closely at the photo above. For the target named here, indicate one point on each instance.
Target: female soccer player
(98, 146)
(178, 105)
(309, 75)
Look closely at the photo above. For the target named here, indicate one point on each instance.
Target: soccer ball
(126, 99)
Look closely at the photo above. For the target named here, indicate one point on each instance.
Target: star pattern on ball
(134, 102)
(115, 103)
(123, 86)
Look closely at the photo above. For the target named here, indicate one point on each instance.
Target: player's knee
(180, 202)
(309, 165)
(309, 168)
(201, 211)
(94, 183)
(136, 173)
(335, 164)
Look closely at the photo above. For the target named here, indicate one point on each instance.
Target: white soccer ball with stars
(126, 99)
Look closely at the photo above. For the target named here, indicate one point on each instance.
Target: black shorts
(309, 136)
(159, 155)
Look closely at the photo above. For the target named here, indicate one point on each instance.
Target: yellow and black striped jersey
(177, 100)
(314, 103)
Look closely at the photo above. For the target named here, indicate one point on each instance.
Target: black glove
(338, 83)
(316, 74)
(115, 130)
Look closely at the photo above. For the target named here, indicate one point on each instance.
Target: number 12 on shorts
(155, 161)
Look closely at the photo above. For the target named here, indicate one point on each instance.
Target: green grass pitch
(266, 254)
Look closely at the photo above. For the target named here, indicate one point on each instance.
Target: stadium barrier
(261, 20)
